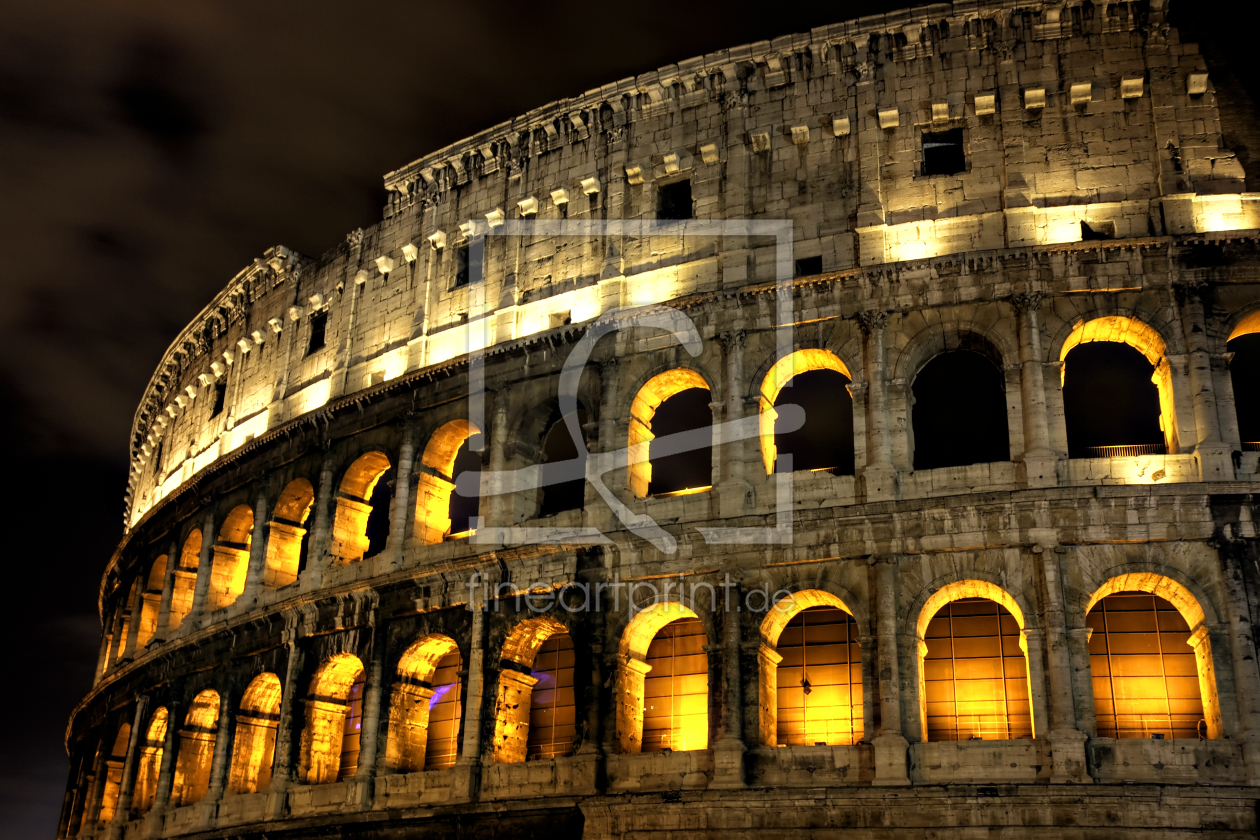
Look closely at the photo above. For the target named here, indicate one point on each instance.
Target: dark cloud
(149, 150)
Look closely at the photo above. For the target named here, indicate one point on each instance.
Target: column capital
(732, 339)
(1027, 301)
(870, 320)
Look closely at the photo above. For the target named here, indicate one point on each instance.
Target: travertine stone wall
(1069, 114)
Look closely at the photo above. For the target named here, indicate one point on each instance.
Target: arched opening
(1244, 370)
(124, 624)
(663, 675)
(424, 708)
(185, 579)
(670, 403)
(360, 497)
(231, 558)
(959, 411)
(255, 745)
(534, 706)
(113, 774)
(973, 675)
(811, 672)
(1117, 390)
(149, 764)
(818, 382)
(196, 749)
(439, 512)
(1151, 660)
(287, 535)
(563, 473)
(151, 602)
(327, 714)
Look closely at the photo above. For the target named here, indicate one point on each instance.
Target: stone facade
(1095, 203)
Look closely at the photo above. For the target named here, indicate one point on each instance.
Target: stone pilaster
(222, 747)
(728, 753)
(734, 489)
(126, 788)
(891, 745)
(257, 553)
(282, 767)
(470, 750)
(168, 592)
(1067, 742)
(205, 563)
(1212, 453)
(1039, 462)
(166, 773)
(369, 734)
(878, 481)
(321, 531)
(404, 496)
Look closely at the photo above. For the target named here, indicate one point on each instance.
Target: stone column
(369, 735)
(168, 591)
(321, 530)
(133, 632)
(597, 514)
(166, 773)
(92, 810)
(282, 767)
(222, 746)
(891, 745)
(496, 511)
(728, 755)
(470, 750)
(879, 478)
(735, 490)
(257, 552)
(1067, 742)
(1243, 650)
(404, 498)
(1039, 461)
(204, 564)
(1214, 456)
(126, 787)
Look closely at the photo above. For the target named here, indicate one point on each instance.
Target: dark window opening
(220, 396)
(319, 323)
(959, 414)
(943, 152)
(806, 266)
(1109, 400)
(592, 202)
(464, 509)
(673, 201)
(564, 482)
(826, 439)
(1244, 370)
(461, 266)
(1097, 231)
(157, 457)
(378, 520)
(686, 411)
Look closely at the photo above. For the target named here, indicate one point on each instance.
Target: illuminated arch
(113, 774)
(437, 480)
(1147, 341)
(1248, 324)
(230, 562)
(516, 686)
(780, 373)
(350, 518)
(412, 700)
(325, 718)
(771, 696)
(987, 696)
(151, 602)
(285, 533)
(255, 745)
(648, 399)
(185, 579)
(1188, 606)
(196, 749)
(633, 666)
(149, 764)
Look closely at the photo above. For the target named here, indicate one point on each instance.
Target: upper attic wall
(825, 129)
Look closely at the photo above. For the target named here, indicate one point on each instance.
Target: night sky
(150, 151)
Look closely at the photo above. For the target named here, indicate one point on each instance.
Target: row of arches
(1149, 658)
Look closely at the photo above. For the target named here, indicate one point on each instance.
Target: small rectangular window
(220, 394)
(461, 266)
(806, 266)
(319, 323)
(943, 152)
(673, 201)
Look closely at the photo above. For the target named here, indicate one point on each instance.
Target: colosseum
(880, 401)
